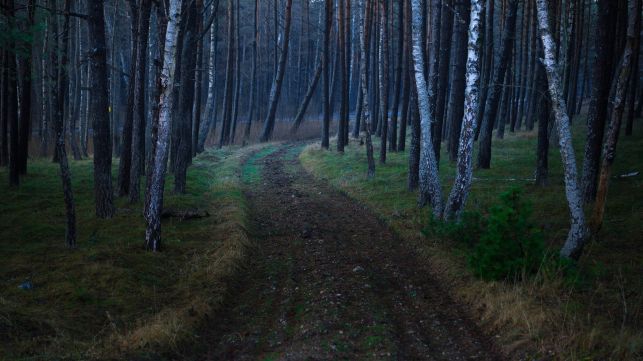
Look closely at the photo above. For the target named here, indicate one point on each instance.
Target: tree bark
(577, 235)
(464, 168)
(441, 92)
(304, 104)
(253, 83)
(598, 105)
(275, 91)
(210, 103)
(224, 136)
(65, 174)
(430, 188)
(12, 103)
(616, 113)
(138, 126)
(413, 177)
(186, 97)
(495, 88)
(99, 109)
(383, 79)
(325, 136)
(544, 113)
(343, 108)
(125, 163)
(365, 40)
(457, 94)
(25, 96)
(160, 156)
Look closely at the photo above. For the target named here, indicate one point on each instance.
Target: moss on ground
(597, 315)
(109, 297)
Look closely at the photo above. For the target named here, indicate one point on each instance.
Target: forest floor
(331, 281)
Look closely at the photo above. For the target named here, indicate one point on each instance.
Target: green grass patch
(110, 297)
(533, 315)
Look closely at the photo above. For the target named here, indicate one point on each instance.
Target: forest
(321, 180)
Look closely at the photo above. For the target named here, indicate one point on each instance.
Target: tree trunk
(495, 88)
(12, 103)
(65, 174)
(275, 91)
(365, 40)
(343, 85)
(253, 83)
(325, 141)
(441, 92)
(237, 76)
(413, 114)
(616, 113)
(577, 235)
(634, 83)
(99, 109)
(598, 105)
(430, 188)
(227, 97)
(464, 168)
(383, 78)
(406, 74)
(138, 126)
(154, 199)
(4, 108)
(25, 96)
(304, 104)
(186, 97)
(457, 94)
(211, 103)
(125, 163)
(398, 78)
(196, 112)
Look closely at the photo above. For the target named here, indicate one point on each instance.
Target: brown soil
(331, 282)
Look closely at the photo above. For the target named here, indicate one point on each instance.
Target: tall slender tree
(275, 90)
(495, 88)
(99, 111)
(577, 236)
(154, 199)
(430, 188)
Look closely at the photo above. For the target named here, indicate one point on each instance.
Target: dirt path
(331, 282)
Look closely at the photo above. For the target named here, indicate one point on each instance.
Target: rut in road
(330, 282)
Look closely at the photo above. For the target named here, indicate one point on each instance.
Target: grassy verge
(110, 298)
(594, 315)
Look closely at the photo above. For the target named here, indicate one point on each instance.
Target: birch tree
(430, 187)
(577, 235)
(464, 167)
(160, 156)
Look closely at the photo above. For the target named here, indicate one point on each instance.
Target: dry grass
(110, 299)
(596, 315)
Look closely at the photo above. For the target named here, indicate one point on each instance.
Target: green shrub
(510, 245)
(467, 230)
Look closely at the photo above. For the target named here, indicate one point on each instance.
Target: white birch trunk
(159, 158)
(577, 235)
(430, 188)
(464, 168)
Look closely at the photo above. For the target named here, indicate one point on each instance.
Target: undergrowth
(110, 299)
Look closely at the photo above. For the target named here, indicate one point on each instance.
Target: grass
(595, 315)
(109, 298)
